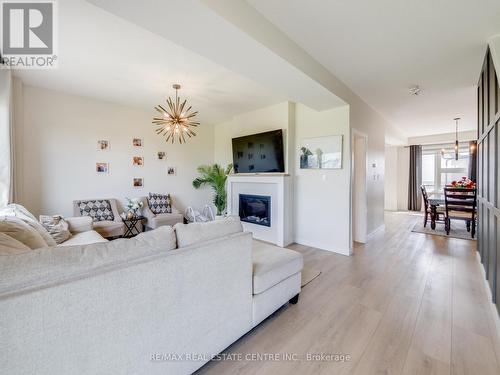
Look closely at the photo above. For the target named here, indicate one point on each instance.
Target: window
(440, 168)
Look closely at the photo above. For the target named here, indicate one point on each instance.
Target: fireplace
(255, 209)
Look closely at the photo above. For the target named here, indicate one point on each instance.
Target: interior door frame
(359, 210)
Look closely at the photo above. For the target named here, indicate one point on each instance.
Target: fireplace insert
(255, 209)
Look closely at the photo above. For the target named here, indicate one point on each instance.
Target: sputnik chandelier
(176, 121)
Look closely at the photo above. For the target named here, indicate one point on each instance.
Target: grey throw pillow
(57, 227)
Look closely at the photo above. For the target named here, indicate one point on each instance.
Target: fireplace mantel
(278, 187)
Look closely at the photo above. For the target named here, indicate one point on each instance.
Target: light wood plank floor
(406, 303)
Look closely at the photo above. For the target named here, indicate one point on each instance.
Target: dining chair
(427, 208)
(460, 204)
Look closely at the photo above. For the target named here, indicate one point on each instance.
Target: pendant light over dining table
(175, 122)
(456, 148)
(457, 119)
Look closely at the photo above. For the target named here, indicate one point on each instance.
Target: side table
(132, 229)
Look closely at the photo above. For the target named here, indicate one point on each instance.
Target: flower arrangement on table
(133, 205)
(464, 183)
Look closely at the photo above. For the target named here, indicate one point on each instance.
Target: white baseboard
(321, 246)
(370, 235)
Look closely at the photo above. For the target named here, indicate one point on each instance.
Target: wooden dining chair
(460, 204)
(440, 214)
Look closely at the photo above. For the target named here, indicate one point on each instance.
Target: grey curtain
(415, 178)
(473, 160)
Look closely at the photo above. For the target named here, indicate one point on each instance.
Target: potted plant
(214, 176)
(133, 205)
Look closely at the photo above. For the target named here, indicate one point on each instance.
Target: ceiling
(231, 61)
(114, 60)
(381, 48)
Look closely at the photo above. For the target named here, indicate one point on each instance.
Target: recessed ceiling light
(415, 90)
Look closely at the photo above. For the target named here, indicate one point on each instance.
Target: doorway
(359, 203)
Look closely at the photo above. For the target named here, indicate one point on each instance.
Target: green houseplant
(214, 176)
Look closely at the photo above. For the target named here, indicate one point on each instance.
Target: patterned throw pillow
(57, 227)
(98, 210)
(160, 203)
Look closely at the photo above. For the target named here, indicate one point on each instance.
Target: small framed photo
(162, 155)
(137, 142)
(102, 168)
(137, 161)
(103, 145)
(138, 182)
(171, 171)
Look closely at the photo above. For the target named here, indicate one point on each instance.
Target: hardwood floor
(406, 303)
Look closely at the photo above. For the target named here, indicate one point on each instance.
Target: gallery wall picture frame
(171, 171)
(161, 155)
(138, 161)
(137, 142)
(103, 145)
(138, 182)
(324, 152)
(102, 167)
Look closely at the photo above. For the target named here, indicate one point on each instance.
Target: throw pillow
(10, 246)
(57, 227)
(98, 210)
(189, 234)
(22, 232)
(23, 214)
(160, 203)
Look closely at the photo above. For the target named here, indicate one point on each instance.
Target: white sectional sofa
(163, 302)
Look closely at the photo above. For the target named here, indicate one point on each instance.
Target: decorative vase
(130, 215)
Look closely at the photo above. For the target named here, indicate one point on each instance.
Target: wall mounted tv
(259, 153)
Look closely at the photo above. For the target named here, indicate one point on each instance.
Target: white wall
(321, 197)
(391, 178)
(494, 44)
(469, 135)
(59, 148)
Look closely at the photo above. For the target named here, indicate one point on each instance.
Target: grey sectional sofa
(163, 302)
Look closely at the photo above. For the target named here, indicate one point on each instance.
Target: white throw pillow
(22, 213)
(188, 234)
(164, 235)
(57, 227)
(21, 231)
(11, 246)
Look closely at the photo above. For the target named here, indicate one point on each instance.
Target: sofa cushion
(164, 219)
(55, 264)
(160, 203)
(109, 228)
(79, 224)
(273, 264)
(84, 238)
(11, 246)
(20, 212)
(98, 209)
(21, 231)
(188, 234)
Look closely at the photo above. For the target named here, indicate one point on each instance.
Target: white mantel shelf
(275, 185)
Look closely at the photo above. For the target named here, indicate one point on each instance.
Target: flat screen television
(259, 153)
